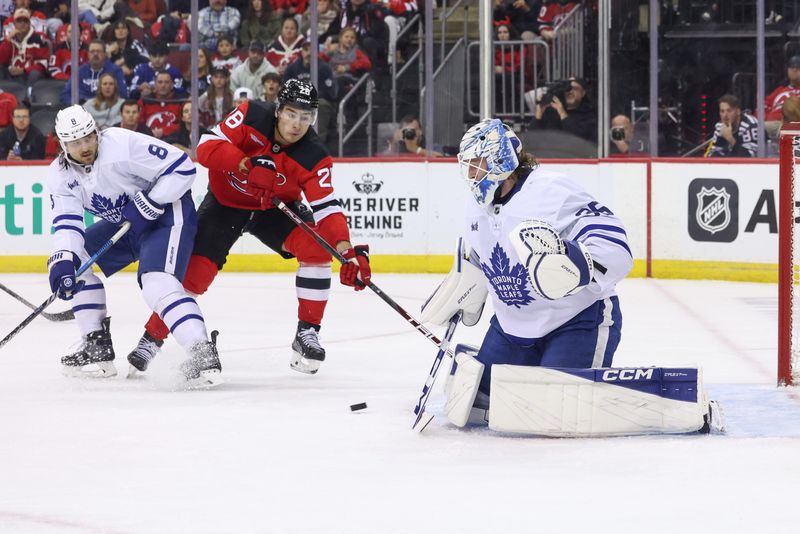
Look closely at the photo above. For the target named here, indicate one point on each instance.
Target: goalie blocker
(597, 402)
(463, 290)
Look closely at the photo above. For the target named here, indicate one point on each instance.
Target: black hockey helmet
(298, 94)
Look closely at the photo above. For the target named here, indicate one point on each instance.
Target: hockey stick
(335, 253)
(38, 311)
(57, 317)
(423, 418)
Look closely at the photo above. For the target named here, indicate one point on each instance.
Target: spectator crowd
(134, 69)
(137, 51)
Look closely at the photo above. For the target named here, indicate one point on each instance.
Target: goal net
(789, 257)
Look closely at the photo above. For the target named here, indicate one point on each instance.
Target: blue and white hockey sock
(89, 304)
(166, 296)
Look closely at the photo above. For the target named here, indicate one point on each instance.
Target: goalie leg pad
(462, 387)
(464, 288)
(596, 402)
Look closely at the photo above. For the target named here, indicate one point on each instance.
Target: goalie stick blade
(422, 421)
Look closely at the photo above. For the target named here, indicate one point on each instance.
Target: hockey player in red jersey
(260, 151)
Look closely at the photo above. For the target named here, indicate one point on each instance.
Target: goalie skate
(202, 369)
(307, 353)
(95, 357)
(714, 422)
(141, 356)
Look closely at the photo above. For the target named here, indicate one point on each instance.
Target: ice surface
(274, 451)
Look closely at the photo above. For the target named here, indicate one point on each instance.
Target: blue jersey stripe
(187, 173)
(68, 217)
(590, 227)
(619, 242)
(175, 165)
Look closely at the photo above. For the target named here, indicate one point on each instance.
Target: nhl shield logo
(713, 209)
(713, 213)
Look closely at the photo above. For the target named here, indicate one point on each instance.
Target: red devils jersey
(304, 168)
(160, 114)
(552, 13)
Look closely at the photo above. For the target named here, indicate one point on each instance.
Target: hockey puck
(359, 406)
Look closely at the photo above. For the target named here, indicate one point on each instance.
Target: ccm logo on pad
(628, 374)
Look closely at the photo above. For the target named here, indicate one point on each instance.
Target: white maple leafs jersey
(127, 162)
(554, 198)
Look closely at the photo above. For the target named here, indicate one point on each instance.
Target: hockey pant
(163, 254)
(219, 227)
(587, 340)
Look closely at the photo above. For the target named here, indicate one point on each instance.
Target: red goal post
(789, 257)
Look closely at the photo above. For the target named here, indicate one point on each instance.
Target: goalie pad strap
(596, 402)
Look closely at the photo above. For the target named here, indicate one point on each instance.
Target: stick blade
(422, 421)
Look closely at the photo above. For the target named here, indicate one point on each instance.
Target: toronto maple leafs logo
(510, 283)
(367, 185)
(106, 209)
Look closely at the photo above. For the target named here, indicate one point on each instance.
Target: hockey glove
(261, 178)
(356, 272)
(142, 213)
(556, 268)
(62, 266)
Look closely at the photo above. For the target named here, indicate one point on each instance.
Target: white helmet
(73, 123)
(492, 148)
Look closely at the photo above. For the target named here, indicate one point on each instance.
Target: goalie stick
(38, 311)
(56, 317)
(335, 253)
(424, 418)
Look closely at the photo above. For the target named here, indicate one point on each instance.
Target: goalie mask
(488, 154)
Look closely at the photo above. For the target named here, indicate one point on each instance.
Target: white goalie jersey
(127, 162)
(576, 216)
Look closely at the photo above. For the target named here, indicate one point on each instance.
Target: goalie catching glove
(356, 272)
(557, 268)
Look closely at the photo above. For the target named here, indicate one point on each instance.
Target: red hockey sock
(311, 310)
(156, 328)
(199, 274)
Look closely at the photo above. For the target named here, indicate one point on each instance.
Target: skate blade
(134, 373)
(92, 370)
(206, 380)
(304, 365)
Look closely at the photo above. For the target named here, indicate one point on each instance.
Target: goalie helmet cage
(789, 257)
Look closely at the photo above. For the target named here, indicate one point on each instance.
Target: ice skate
(95, 357)
(202, 369)
(141, 356)
(307, 354)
